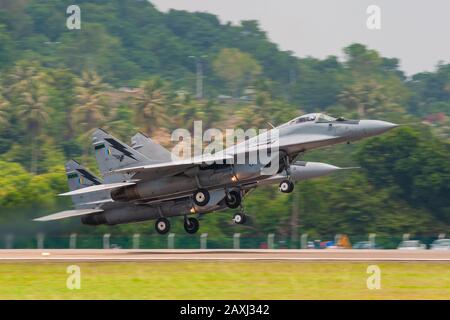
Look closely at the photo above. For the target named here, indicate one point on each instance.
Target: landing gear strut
(287, 186)
(191, 225)
(201, 197)
(162, 225)
(287, 166)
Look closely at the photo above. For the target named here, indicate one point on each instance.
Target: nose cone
(375, 127)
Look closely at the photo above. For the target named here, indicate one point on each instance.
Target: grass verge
(225, 280)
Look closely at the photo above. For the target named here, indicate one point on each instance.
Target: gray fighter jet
(143, 181)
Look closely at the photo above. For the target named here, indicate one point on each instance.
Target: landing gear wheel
(233, 199)
(239, 218)
(162, 225)
(286, 186)
(191, 225)
(201, 197)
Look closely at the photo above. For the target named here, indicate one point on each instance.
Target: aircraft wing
(175, 166)
(99, 187)
(67, 214)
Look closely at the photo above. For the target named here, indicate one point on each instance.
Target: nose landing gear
(239, 218)
(286, 186)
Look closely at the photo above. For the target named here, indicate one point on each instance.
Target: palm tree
(353, 99)
(33, 113)
(92, 82)
(188, 110)
(23, 75)
(151, 106)
(369, 98)
(4, 104)
(90, 111)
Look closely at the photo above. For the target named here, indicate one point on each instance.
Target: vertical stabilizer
(79, 177)
(113, 154)
(149, 148)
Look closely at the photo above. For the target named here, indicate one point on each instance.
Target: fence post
(171, 241)
(304, 241)
(73, 241)
(337, 237)
(270, 241)
(372, 237)
(106, 244)
(40, 240)
(236, 241)
(9, 241)
(136, 240)
(406, 236)
(203, 241)
(441, 236)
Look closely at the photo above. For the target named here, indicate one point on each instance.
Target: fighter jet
(145, 182)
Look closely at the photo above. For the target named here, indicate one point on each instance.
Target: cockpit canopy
(315, 117)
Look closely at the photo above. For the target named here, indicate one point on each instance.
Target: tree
(362, 61)
(415, 164)
(24, 75)
(4, 117)
(369, 98)
(33, 113)
(236, 68)
(90, 111)
(151, 105)
(6, 47)
(187, 109)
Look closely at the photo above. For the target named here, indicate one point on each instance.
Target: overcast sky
(417, 32)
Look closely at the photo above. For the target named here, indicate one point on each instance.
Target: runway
(122, 255)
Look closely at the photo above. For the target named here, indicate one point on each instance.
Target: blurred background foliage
(129, 69)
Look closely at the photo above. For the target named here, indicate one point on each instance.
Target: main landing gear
(191, 225)
(233, 199)
(162, 225)
(201, 197)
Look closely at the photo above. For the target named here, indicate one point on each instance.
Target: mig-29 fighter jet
(143, 181)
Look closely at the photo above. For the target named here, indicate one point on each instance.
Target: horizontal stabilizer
(109, 200)
(99, 187)
(67, 214)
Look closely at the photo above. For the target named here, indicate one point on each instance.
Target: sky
(415, 31)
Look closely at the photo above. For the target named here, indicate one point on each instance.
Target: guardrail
(205, 241)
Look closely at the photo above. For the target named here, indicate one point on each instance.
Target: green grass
(225, 280)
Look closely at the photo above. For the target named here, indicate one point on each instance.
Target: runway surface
(225, 255)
